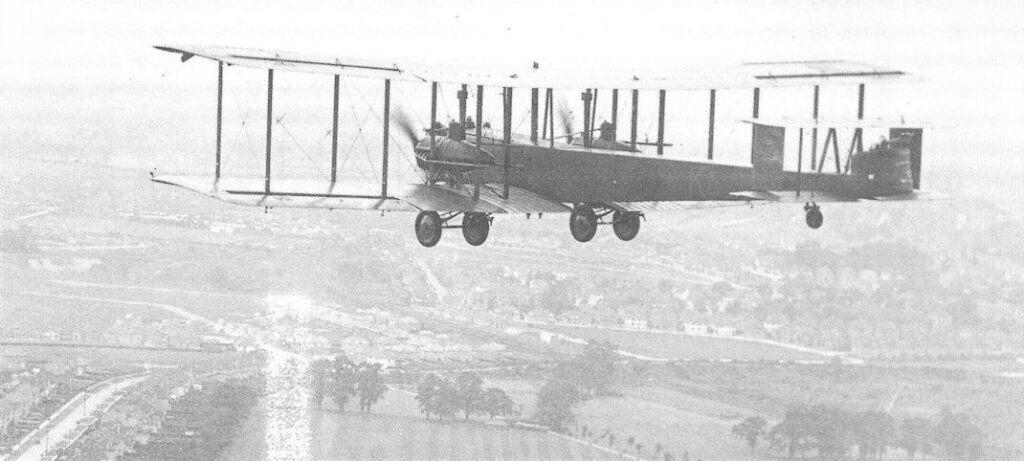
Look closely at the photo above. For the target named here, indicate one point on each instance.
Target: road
(65, 423)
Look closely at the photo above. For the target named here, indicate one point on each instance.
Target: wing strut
(479, 114)
(756, 111)
(463, 94)
(534, 104)
(615, 114)
(270, 119)
(334, 135)
(433, 119)
(508, 137)
(711, 127)
(661, 122)
(387, 125)
(799, 160)
(551, 118)
(814, 131)
(220, 111)
(632, 120)
(586, 96)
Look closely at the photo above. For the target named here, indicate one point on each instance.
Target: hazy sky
(85, 73)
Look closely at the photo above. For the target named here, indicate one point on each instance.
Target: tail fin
(911, 139)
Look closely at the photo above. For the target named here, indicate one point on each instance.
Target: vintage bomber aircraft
(477, 172)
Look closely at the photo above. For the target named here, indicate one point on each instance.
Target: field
(395, 430)
(684, 347)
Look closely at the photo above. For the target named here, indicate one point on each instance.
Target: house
(634, 318)
(540, 316)
(695, 328)
(16, 403)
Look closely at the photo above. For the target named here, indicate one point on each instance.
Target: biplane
(595, 176)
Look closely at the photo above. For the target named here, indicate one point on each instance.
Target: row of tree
(445, 398)
(589, 374)
(342, 379)
(833, 433)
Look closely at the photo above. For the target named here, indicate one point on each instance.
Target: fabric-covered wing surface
(749, 75)
(291, 193)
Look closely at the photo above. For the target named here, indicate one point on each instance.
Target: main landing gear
(583, 222)
(429, 224)
(814, 217)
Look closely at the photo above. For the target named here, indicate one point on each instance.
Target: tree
(497, 403)
(344, 380)
(369, 386)
(555, 402)
(750, 430)
(319, 375)
(915, 435)
(958, 436)
(428, 393)
(874, 431)
(598, 365)
(468, 393)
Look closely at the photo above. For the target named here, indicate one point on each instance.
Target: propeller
(405, 124)
(565, 116)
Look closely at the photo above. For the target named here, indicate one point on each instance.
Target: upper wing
(747, 75)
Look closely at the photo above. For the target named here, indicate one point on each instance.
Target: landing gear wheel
(814, 216)
(428, 228)
(626, 225)
(583, 223)
(475, 227)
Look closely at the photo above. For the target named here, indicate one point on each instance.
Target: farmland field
(683, 347)
(395, 430)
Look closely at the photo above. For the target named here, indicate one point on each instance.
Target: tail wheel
(626, 225)
(475, 228)
(583, 223)
(428, 228)
(814, 217)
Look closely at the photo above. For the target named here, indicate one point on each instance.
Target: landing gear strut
(814, 217)
(428, 228)
(475, 227)
(626, 225)
(429, 224)
(584, 220)
(583, 223)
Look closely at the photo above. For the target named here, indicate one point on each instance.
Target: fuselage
(574, 174)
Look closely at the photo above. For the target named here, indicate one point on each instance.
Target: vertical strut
(551, 116)
(387, 120)
(632, 119)
(479, 114)
(334, 135)
(463, 95)
(860, 116)
(814, 130)
(587, 96)
(593, 115)
(270, 118)
(220, 110)
(711, 127)
(661, 122)
(534, 104)
(547, 109)
(799, 160)
(756, 114)
(508, 137)
(433, 118)
(615, 114)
